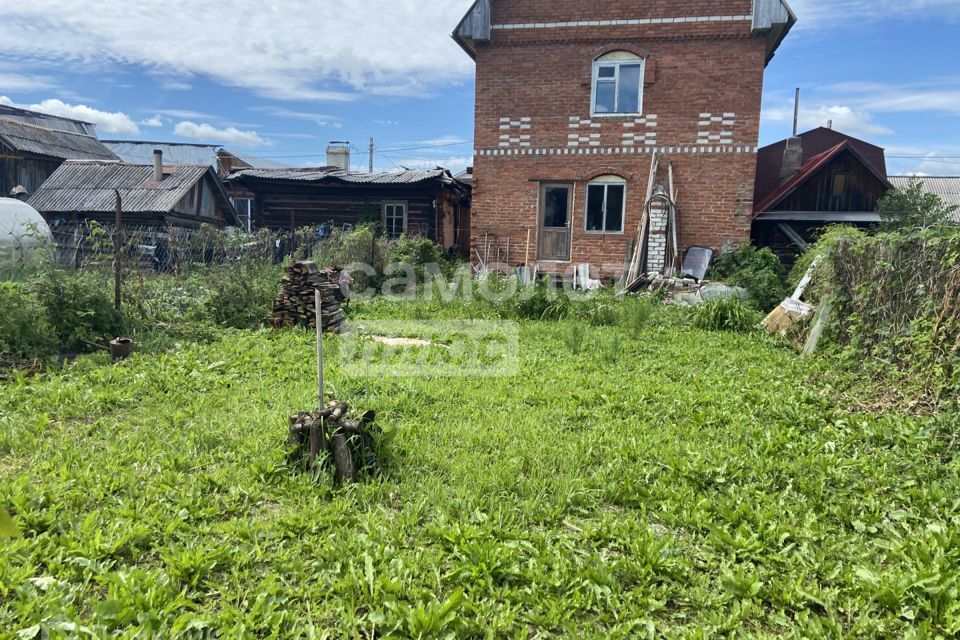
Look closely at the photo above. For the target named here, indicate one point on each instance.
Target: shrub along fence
(896, 301)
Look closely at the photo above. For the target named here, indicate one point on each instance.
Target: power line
(396, 150)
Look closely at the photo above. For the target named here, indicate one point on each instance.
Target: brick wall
(701, 110)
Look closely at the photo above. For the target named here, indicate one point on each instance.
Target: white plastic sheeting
(23, 232)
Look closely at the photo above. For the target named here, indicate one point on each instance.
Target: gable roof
(809, 168)
(815, 142)
(773, 18)
(89, 187)
(20, 135)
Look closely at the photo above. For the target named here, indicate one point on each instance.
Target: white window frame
(616, 60)
(249, 212)
(383, 217)
(606, 182)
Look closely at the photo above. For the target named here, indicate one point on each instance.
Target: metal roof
(173, 153)
(48, 121)
(141, 152)
(947, 187)
(88, 187)
(333, 175)
(43, 141)
(257, 162)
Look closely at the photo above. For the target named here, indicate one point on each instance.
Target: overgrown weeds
(726, 314)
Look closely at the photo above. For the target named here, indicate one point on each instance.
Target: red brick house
(573, 98)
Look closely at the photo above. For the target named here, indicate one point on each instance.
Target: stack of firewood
(329, 435)
(296, 306)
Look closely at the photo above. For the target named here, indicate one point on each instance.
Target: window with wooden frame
(395, 219)
(606, 205)
(617, 84)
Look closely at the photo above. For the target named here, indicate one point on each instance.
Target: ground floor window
(606, 203)
(244, 209)
(395, 219)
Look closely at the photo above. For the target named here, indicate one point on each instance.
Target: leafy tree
(913, 208)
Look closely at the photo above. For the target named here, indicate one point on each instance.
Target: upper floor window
(618, 84)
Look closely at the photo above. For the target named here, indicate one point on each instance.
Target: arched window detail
(606, 204)
(617, 84)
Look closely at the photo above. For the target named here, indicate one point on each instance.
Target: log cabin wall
(286, 206)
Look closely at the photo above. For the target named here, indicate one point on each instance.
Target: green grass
(672, 483)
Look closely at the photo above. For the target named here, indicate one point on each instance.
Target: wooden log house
(430, 203)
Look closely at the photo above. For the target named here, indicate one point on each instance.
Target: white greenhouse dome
(23, 232)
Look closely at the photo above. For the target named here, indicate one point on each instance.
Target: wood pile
(328, 435)
(296, 305)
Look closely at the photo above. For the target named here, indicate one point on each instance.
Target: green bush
(79, 305)
(24, 327)
(362, 245)
(913, 209)
(896, 309)
(826, 245)
(241, 295)
(726, 314)
(757, 270)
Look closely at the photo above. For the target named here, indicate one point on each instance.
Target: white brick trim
(618, 23)
(626, 149)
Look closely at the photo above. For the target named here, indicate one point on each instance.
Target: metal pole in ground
(317, 301)
(117, 248)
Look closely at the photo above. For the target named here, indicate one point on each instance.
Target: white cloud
(184, 114)
(844, 118)
(228, 135)
(18, 82)
(297, 49)
(319, 119)
(106, 121)
(175, 85)
(155, 122)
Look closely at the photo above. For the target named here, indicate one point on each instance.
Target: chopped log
(343, 458)
(318, 443)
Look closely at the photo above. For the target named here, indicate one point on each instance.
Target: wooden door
(556, 208)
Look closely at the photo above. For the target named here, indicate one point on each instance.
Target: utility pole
(371, 155)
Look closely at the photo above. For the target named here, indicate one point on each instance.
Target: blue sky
(281, 78)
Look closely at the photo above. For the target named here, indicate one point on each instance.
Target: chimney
(157, 165)
(792, 159)
(338, 155)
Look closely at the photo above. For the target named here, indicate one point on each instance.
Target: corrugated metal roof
(89, 187)
(48, 121)
(173, 153)
(333, 176)
(30, 138)
(947, 187)
(257, 162)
